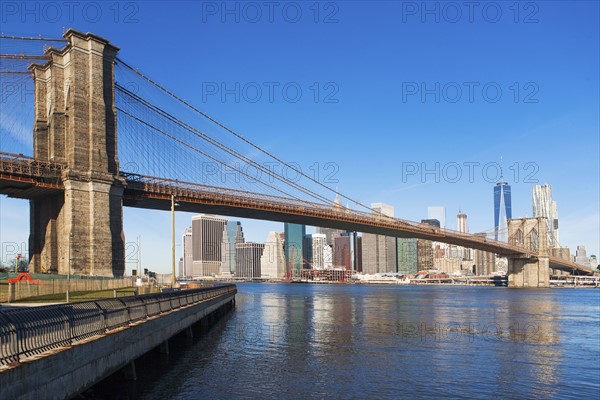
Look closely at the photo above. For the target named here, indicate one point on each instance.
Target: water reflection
(314, 341)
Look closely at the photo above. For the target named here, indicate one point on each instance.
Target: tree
(22, 267)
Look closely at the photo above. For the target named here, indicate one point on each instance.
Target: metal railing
(20, 164)
(25, 332)
(187, 191)
(48, 174)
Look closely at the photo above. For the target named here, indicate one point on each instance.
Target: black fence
(32, 330)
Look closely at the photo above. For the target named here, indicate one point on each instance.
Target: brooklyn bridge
(105, 136)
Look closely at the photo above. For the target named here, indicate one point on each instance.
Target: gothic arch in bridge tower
(523, 270)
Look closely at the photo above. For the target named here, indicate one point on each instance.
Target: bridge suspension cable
(23, 57)
(34, 38)
(196, 150)
(18, 51)
(237, 135)
(219, 145)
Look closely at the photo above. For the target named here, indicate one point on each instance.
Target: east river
(303, 341)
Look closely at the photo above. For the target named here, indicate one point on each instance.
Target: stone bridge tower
(81, 229)
(529, 271)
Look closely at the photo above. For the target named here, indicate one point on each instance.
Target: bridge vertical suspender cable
(217, 144)
(231, 131)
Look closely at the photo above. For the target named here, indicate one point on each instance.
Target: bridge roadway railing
(27, 167)
(219, 195)
(29, 331)
(19, 164)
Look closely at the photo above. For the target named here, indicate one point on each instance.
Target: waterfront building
(342, 253)
(407, 256)
(186, 240)
(379, 252)
(581, 257)
(425, 248)
(272, 262)
(593, 262)
(545, 206)
(308, 251)
(232, 235)
(449, 265)
(247, 259)
(207, 237)
(294, 246)
(327, 256)
(330, 234)
(347, 252)
(318, 244)
(358, 255)
(424, 255)
(502, 209)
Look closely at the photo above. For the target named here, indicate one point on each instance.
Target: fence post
(11, 292)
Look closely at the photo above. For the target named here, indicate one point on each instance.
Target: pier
(58, 351)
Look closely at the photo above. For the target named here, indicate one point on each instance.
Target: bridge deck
(25, 177)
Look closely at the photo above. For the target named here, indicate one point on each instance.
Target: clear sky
(389, 91)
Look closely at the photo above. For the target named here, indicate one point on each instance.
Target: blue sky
(401, 89)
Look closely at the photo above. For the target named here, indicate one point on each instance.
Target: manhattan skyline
(366, 134)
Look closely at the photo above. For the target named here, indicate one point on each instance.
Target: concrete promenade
(66, 371)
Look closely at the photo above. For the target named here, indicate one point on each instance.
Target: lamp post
(173, 279)
(69, 269)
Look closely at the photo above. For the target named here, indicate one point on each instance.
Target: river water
(365, 341)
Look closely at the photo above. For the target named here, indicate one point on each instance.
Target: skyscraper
(347, 252)
(186, 269)
(593, 262)
(294, 247)
(407, 256)
(545, 206)
(272, 262)
(379, 252)
(232, 235)
(462, 222)
(342, 252)
(425, 248)
(247, 259)
(502, 210)
(319, 241)
(461, 219)
(581, 257)
(207, 237)
(329, 233)
(424, 255)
